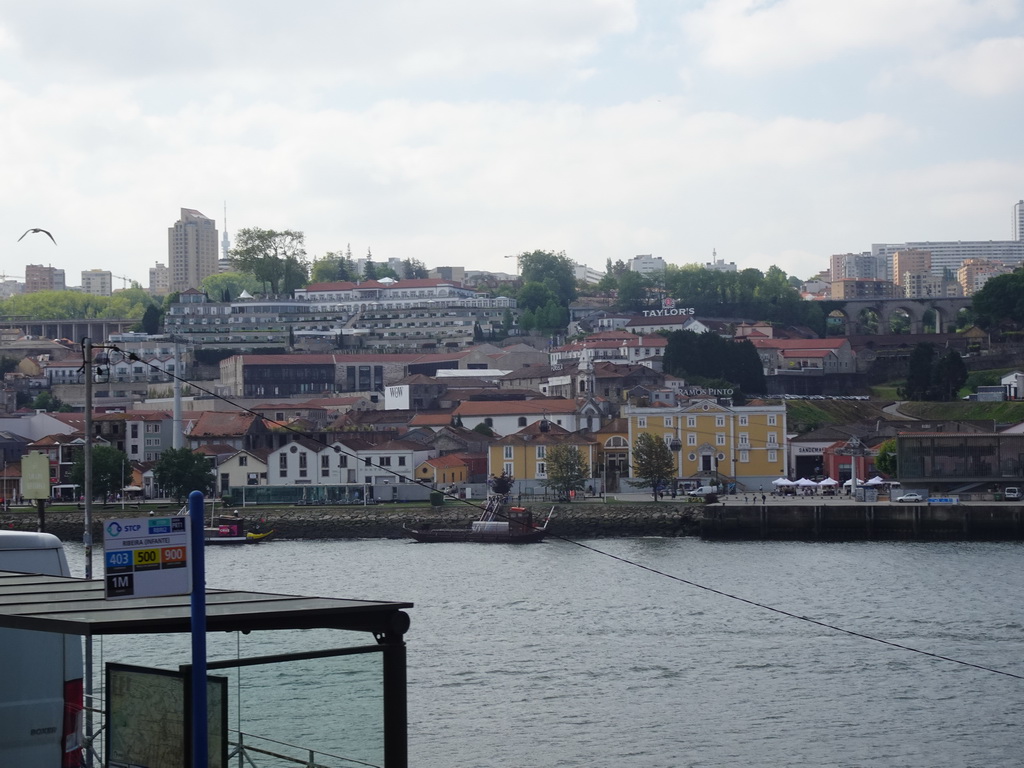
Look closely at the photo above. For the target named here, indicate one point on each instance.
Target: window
(542, 470)
(773, 438)
(691, 438)
(745, 439)
(720, 438)
(744, 421)
(744, 457)
(641, 422)
(522, 421)
(401, 461)
(282, 461)
(719, 421)
(691, 422)
(507, 452)
(303, 458)
(668, 421)
(243, 461)
(325, 462)
(771, 420)
(773, 456)
(540, 451)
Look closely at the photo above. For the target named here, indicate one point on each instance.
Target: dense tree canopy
(553, 270)
(111, 471)
(276, 259)
(709, 357)
(228, 286)
(180, 471)
(1000, 302)
(933, 378)
(74, 305)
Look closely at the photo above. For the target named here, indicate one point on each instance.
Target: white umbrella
(803, 482)
(876, 480)
(782, 481)
(829, 481)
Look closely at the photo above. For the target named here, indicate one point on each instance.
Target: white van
(41, 686)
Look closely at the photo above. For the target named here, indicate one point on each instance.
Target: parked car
(1012, 494)
(910, 498)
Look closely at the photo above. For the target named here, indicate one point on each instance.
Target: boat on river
(231, 529)
(499, 523)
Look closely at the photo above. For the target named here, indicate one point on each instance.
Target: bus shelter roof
(79, 607)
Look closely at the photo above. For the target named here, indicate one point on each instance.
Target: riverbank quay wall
(742, 522)
(863, 522)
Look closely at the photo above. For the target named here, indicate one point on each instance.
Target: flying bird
(34, 230)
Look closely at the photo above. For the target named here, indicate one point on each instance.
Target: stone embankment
(386, 521)
(583, 520)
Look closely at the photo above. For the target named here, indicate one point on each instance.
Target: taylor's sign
(669, 312)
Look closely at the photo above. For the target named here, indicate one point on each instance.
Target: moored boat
(499, 523)
(230, 529)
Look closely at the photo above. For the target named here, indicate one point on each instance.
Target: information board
(149, 715)
(147, 557)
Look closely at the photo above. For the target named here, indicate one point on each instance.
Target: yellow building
(717, 443)
(524, 454)
(443, 470)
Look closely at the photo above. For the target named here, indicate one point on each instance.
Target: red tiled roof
(514, 407)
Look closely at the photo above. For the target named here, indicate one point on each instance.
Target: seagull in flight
(35, 230)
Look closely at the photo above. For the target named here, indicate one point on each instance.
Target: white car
(910, 497)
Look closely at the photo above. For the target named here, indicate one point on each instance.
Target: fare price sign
(147, 557)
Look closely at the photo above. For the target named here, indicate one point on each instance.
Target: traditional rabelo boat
(499, 523)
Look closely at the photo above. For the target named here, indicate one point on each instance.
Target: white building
(646, 264)
(97, 282)
(719, 265)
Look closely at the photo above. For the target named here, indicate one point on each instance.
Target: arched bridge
(945, 308)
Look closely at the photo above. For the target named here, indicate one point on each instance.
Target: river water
(554, 655)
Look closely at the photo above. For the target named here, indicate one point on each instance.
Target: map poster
(148, 718)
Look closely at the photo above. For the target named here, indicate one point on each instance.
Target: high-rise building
(974, 273)
(97, 282)
(159, 280)
(40, 278)
(191, 250)
(856, 266)
(908, 263)
(1018, 221)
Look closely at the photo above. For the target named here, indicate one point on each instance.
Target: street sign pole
(200, 749)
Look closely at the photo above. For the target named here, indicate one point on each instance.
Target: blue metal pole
(200, 736)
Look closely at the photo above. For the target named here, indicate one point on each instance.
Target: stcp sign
(147, 557)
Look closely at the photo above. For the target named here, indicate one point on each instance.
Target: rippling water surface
(552, 655)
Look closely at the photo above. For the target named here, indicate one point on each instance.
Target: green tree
(534, 295)
(886, 460)
(151, 320)
(414, 269)
(949, 374)
(919, 373)
(567, 470)
(1000, 302)
(47, 401)
(653, 464)
(633, 292)
(276, 259)
(231, 282)
(111, 471)
(334, 267)
(181, 471)
(554, 270)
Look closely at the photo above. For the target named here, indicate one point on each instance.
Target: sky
(461, 132)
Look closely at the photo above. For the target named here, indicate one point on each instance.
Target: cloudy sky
(463, 131)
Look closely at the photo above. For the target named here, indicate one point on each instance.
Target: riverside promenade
(735, 518)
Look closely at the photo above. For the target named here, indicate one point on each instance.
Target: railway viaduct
(945, 308)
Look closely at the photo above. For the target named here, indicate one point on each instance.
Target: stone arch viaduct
(945, 308)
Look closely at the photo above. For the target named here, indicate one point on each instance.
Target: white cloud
(989, 68)
(757, 36)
